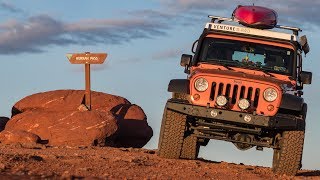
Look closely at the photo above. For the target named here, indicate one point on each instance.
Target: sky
(144, 41)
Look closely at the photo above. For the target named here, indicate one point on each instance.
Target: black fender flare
(292, 102)
(179, 86)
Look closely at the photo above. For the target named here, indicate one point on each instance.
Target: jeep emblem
(237, 82)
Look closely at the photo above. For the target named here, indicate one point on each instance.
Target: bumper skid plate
(279, 121)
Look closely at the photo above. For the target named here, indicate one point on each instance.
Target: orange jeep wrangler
(244, 86)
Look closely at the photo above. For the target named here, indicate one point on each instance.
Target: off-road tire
(190, 148)
(171, 134)
(287, 159)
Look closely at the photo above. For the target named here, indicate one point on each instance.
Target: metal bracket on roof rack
(294, 29)
(221, 19)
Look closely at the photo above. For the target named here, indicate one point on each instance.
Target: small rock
(148, 151)
(2, 166)
(83, 108)
(66, 175)
(36, 158)
(123, 149)
(18, 136)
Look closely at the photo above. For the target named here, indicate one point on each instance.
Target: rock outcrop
(133, 127)
(57, 118)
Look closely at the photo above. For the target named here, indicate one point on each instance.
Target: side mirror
(304, 44)
(306, 77)
(185, 60)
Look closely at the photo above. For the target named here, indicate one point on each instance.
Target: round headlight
(221, 100)
(270, 94)
(201, 84)
(244, 104)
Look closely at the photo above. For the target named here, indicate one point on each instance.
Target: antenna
(254, 2)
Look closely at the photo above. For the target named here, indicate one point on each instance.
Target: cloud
(184, 5)
(10, 7)
(167, 54)
(292, 13)
(39, 32)
(151, 13)
(30, 36)
(170, 16)
(36, 33)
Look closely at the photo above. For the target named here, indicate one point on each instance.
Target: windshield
(247, 55)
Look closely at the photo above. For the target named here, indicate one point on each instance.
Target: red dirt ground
(24, 156)
(113, 163)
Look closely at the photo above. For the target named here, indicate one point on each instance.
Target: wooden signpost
(87, 58)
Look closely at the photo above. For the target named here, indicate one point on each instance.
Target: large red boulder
(67, 100)
(58, 118)
(71, 128)
(133, 127)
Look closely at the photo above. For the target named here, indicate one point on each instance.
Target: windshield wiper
(259, 68)
(225, 63)
(266, 72)
(226, 66)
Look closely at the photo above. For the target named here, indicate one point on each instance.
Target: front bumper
(279, 121)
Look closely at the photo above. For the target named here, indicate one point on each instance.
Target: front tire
(190, 148)
(171, 134)
(287, 159)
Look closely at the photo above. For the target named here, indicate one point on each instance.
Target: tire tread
(190, 148)
(171, 134)
(290, 154)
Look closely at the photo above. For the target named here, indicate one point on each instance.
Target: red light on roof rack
(256, 17)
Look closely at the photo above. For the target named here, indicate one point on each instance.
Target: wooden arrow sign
(87, 58)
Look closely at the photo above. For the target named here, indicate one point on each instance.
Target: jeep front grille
(235, 92)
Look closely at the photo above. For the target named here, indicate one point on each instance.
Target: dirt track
(112, 163)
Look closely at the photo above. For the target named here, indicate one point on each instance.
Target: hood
(244, 75)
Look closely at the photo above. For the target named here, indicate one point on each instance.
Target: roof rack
(294, 29)
(221, 19)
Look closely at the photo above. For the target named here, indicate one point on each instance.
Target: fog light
(244, 104)
(247, 118)
(196, 97)
(214, 113)
(270, 107)
(221, 100)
